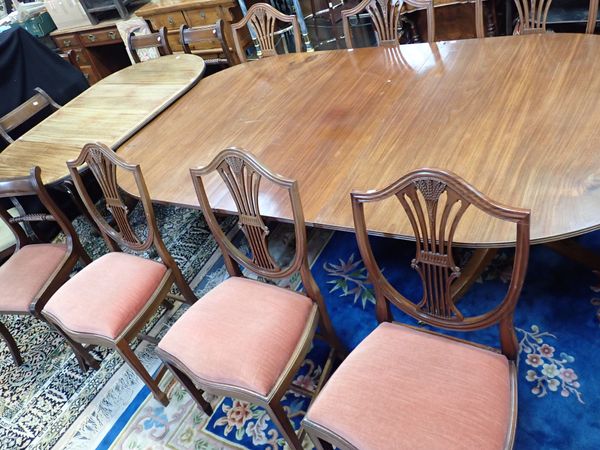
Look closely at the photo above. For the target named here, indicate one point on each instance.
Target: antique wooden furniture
(385, 15)
(24, 112)
(174, 13)
(208, 33)
(110, 300)
(262, 19)
(156, 40)
(150, 88)
(567, 13)
(245, 338)
(532, 16)
(99, 49)
(35, 270)
(93, 7)
(430, 381)
(460, 106)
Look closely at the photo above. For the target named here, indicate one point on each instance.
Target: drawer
(100, 37)
(172, 20)
(207, 16)
(213, 44)
(173, 38)
(81, 57)
(67, 41)
(89, 74)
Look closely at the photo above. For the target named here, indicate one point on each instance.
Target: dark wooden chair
(274, 326)
(385, 15)
(25, 111)
(208, 34)
(110, 300)
(35, 270)
(411, 387)
(262, 19)
(533, 15)
(157, 40)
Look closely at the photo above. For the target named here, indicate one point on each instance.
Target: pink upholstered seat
(106, 295)
(242, 333)
(25, 273)
(406, 389)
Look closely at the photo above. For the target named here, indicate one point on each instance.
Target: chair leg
(12, 345)
(319, 443)
(133, 361)
(184, 287)
(192, 389)
(85, 360)
(283, 424)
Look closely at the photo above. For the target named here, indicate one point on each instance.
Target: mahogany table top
(110, 111)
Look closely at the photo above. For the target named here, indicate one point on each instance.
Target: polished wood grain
(111, 111)
(517, 116)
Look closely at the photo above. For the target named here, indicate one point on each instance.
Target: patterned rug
(49, 403)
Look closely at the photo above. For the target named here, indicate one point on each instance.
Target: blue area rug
(557, 327)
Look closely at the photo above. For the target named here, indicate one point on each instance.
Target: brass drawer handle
(67, 42)
(202, 15)
(77, 57)
(112, 34)
(171, 20)
(92, 37)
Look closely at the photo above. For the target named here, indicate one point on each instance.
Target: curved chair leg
(184, 287)
(192, 389)
(85, 360)
(12, 345)
(283, 424)
(137, 366)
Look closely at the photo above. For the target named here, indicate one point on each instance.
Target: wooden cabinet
(99, 49)
(174, 13)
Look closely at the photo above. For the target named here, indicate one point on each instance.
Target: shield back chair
(262, 19)
(406, 387)
(532, 16)
(246, 339)
(110, 301)
(25, 111)
(385, 15)
(35, 270)
(208, 34)
(157, 40)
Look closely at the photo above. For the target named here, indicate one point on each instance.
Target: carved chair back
(32, 185)
(242, 175)
(435, 202)
(103, 163)
(24, 112)
(156, 40)
(262, 18)
(532, 16)
(385, 15)
(207, 34)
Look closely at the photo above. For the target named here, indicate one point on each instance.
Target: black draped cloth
(26, 63)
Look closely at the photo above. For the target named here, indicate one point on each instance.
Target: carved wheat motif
(243, 183)
(434, 218)
(532, 15)
(105, 173)
(385, 14)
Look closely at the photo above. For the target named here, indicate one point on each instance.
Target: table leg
(479, 260)
(571, 249)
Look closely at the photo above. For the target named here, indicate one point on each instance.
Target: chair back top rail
(156, 40)
(207, 33)
(435, 201)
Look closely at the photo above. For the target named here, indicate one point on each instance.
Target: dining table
(518, 117)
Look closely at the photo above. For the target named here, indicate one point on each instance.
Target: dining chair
(35, 270)
(207, 34)
(532, 16)
(25, 111)
(408, 387)
(157, 40)
(262, 18)
(246, 339)
(385, 15)
(111, 299)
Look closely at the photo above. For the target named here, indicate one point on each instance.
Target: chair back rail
(156, 40)
(532, 16)
(435, 201)
(25, 111)
(207, 33)
(263, 18)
